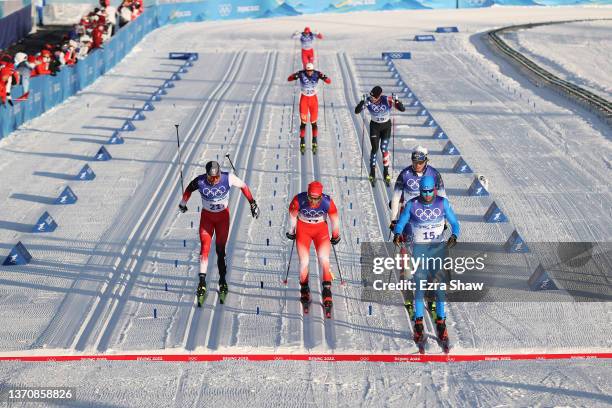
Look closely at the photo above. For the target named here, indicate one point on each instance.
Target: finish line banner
(331, 358)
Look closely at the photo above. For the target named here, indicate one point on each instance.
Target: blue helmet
(427, 186)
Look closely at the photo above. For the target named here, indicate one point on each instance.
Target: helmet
(213, 169)
(376, 91)
(315, 189)
(310, 66)
(20, 57)
(419, 153)
(307, 30)
(45, 53)
(427, 186)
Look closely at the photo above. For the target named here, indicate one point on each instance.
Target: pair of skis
(202, 292)
(422, 341)
(327, 308)
(303, 149)
(387, 181)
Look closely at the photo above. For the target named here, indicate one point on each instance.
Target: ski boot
(302, 146)
(419, 336)
(222, 291)
(442, 334)
(387, 176)
(326, 295)
(201, 292)
(372, 176)
(305, 298)
(314, 145)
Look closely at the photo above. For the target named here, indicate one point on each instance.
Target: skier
(307, 37)
(308, 214)
(214, 187)
(407, 183)
(380, 107)
(427, 214)
(309, 102)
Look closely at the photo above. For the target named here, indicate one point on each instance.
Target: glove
(254, 209)
(320, 36)
(327, 81)
(334, 240)
(359, 106)
(452, 241)
(392, 225)
(183, 208)
(397, 239)
(290, 236)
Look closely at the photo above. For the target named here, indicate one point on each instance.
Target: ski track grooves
(100, 325)
(211, 314)
(379, 192)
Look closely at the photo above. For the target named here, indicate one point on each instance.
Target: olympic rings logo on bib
(214, 192)
(412, 183)
(428, 214)
(312, 213)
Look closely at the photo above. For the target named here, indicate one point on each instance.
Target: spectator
(24, 70)
(6, 75)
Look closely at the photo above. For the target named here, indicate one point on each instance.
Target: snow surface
(578, 52)
(95, 281)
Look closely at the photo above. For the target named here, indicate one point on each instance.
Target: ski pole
(289, 264)
(392, 132)
(338, 263)
(230, 161)
(362, 138)
(178, 143)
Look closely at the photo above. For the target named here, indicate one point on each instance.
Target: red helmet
(45, 53)
(315, 189)
(307, 30)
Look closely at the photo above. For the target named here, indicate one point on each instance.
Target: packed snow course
(119, 273)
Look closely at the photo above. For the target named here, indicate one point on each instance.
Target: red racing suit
(310, 224)
(215, 216)
(309, 103)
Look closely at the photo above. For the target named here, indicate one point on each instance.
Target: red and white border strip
(374, 358)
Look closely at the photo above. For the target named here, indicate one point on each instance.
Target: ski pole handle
(230, 161)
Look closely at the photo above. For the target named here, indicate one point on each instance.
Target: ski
(305, 307)
(327, 307)
(444, 341)
(201, 295)
(420, 338)
(388, 180)
(222, 292)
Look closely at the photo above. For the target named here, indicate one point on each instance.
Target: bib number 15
(429, 235)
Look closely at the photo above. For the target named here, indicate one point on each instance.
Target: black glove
(452, 241)
(335, 240)
(254, 209)
(392, 225)
(290, 235)
(397, 239)
(183, 208)
(359, 106)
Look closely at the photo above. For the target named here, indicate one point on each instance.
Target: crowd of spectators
(92, 31)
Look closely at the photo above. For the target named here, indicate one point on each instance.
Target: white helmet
(20, 57)
(419, 153)
(310, 66)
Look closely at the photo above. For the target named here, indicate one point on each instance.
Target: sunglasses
(427, 192)
(311, 198)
